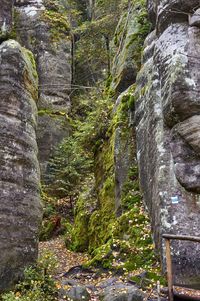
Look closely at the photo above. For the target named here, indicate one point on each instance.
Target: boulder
(76, 293)
(122, 292)
(108, 282)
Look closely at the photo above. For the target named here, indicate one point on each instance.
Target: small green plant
(67, 168)
(50, 216)
(38, 283)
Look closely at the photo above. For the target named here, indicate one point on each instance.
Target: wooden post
(169, 270)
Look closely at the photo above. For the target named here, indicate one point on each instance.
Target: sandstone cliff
(20, 212)
(146, 116)
(167, 114)
(42, 28)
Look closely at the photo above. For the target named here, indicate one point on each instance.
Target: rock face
(46, 32)
(167, 119)
(5, 17)
(128, 41)
(20, 210)
(124, 151)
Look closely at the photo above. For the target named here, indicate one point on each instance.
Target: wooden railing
(167, 238)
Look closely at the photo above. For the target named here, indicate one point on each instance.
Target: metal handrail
(167, 238)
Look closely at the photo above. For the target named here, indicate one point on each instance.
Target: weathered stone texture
(167, 118)
(38, 31)
(125, 64)
(124, 151)
(20, 210)
(122, 292)
(46, 34)
(6, 14)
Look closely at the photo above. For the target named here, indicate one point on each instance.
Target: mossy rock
(59, 25)
(128, 62)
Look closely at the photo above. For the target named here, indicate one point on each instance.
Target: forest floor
(66, 259)
(70, 272)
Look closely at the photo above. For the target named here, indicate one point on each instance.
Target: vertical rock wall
(43, 29)
(128, 40)
(167, 120)
(129, 36)
(124, 67)
(6, 13)
(20, 209)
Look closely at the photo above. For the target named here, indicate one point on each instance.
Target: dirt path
(70, 272)
(67, 260)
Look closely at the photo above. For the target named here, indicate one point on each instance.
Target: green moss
(80, 239)
(127, 242)
(85, 206)
(51, 112)
(133, 37)
(102, 257)
(30, 73)
(96, 230)
(58, 23)
(131, 102)
(121, 115)
(33, 63)
(149, 279)
(123, 243)
(101, 219)
(47, 229)
(97, 222)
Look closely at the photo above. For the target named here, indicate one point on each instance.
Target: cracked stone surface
(167, 120)
(20, 211)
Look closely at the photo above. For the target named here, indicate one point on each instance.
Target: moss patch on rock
(129, 38)
(30, 73)
(58, 23)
